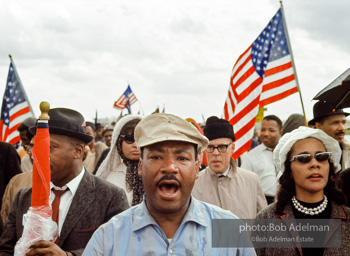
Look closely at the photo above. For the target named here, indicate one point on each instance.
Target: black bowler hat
(68, 122)
(218, 128)
(323, 109)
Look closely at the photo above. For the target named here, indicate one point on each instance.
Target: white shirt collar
(72, 185)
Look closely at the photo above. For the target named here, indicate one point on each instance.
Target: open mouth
(168, 188)
(315, 176)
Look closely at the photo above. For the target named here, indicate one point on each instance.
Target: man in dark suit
(10, 165)
(86, 203)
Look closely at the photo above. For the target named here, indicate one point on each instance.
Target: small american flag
(15, 107)
(262, 75)
(126, 100)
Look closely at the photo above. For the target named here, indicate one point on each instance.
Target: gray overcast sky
(82, 54)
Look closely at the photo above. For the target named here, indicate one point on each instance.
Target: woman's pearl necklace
(310, 211)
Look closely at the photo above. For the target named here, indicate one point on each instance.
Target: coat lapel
(83, 198)
(337, 213)
(288, 218)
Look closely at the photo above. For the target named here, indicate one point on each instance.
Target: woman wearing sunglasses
(307, 160)
(120, 166)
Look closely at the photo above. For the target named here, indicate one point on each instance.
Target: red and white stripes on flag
(127, 99)
(15, 107)
(262, 75)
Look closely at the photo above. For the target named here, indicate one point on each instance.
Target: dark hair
(287, 186)
(195, 151)
(274, 118)
(129, 127)
(91, 125)
(22, 127)
(98, 126)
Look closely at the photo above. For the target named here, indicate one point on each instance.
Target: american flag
(263, 74)
(15, 107)
(126, 100)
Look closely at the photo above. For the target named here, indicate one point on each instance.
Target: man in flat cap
(222, 183)
(169, 221)
(83, 202)
(333, 122)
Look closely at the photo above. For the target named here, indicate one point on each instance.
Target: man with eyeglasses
(223, 183)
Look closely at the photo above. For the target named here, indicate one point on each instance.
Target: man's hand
(45, 248)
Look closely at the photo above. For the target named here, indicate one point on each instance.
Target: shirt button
(171, 251)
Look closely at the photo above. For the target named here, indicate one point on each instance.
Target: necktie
(55, 205)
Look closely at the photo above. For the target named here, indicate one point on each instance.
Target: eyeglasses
(306, 158)
(129, 139)
(221, 148)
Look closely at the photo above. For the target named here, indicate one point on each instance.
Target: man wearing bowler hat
(223, 183)
(85, 202)
(169, 221)
(333, 122)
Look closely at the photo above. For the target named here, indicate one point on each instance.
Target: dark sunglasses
(306, 158)
(129, 139)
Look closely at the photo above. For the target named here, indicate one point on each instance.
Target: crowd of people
(140, 187)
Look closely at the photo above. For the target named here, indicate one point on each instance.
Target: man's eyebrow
(179, 151)
(161, 150)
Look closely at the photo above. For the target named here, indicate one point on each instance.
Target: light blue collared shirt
(135, 232)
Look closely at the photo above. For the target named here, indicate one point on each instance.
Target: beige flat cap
(166, 127)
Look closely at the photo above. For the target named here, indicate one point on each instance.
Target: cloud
(83, 54)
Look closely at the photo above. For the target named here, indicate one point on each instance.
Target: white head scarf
(287, 141)
(113, 159)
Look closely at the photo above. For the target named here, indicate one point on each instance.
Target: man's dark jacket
(10, 165)
(94, 203)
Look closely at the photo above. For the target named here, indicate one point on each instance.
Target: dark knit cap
(218, 128)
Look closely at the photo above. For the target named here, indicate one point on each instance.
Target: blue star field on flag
(270, 45)
(13, 95)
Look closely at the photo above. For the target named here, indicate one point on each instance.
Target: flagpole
(20, 84)
(292, 57)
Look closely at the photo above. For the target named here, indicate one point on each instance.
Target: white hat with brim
(288, 140)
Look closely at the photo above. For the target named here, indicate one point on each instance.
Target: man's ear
(318, 125)
(233, 146)
(79, 151)
(140, 167)
(198, 164)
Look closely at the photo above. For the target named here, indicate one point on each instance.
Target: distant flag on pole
(15, 107)
(126, 100)
(156, 111)
(263, 74)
